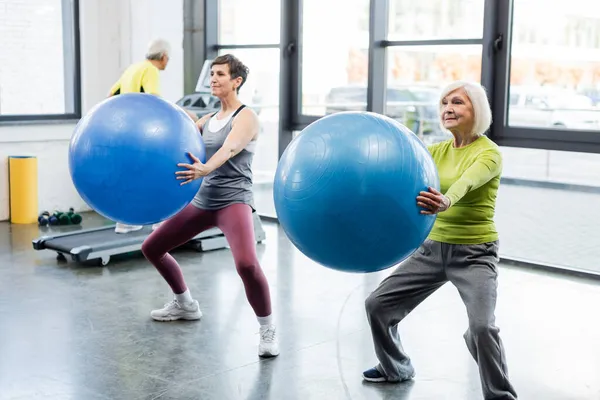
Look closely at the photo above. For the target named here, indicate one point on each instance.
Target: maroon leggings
(235, 221)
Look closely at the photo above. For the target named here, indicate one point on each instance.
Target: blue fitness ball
(123, 157)
(345, 191)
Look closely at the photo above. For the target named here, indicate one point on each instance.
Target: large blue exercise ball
(345, 191)
(123, 157)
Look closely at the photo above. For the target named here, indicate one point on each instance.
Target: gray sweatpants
(473, 270)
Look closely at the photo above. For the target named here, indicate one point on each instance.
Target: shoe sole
(383, 379)
(194, 317)
(374, 380)
(268, 355)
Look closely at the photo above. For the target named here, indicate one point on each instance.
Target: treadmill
(99, 244)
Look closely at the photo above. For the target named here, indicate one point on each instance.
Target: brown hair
(236, 67)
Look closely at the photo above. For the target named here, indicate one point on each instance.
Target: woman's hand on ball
(194, 171)
(433, 202)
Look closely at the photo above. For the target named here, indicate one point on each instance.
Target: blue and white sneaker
(373, 375)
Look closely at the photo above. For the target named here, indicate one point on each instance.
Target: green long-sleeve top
(469, 177)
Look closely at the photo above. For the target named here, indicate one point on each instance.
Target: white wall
(114, 33)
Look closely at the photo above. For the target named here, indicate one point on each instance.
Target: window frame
(377, 56)
(212, 47)
(526, 137)
(72, 71)
(495, 70)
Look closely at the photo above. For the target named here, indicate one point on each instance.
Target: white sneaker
(269, 345)
(175, 310)
(123, 228)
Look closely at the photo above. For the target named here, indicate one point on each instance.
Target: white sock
(264, 321)
(185, 297)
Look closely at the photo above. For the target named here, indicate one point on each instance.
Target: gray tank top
(232, 182)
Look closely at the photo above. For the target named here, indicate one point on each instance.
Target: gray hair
(482, 113)
(157, 49)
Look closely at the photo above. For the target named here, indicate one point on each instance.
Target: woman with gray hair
(143, 77)
(462, 247)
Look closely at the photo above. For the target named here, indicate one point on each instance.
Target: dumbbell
(68, 218)
(44, 218)
(75, 218)
(55, 218)
(64, 219)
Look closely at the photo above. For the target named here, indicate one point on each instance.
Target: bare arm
(244, 128)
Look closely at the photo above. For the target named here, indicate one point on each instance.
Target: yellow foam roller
(23, 185)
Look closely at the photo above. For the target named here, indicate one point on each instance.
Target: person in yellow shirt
(143, 77)
(462, 247)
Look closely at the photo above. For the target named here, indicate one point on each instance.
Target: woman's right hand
(433, 202)
(194, 171)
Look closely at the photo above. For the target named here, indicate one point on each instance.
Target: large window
(243, 22)
(415, 76)
(555, 66)
(39, 65)
(429, 44)
(546, 75)
(256, 43)
(261, 93)
(334, 77)
(550, 166)
(435, 19)
(539, 62)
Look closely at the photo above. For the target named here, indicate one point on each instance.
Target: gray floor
(73, 332)
(538, 225)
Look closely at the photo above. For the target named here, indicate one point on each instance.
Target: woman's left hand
(195, 171)
(433, 202)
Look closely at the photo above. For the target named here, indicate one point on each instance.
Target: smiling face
(457, 112)
(221, 82)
